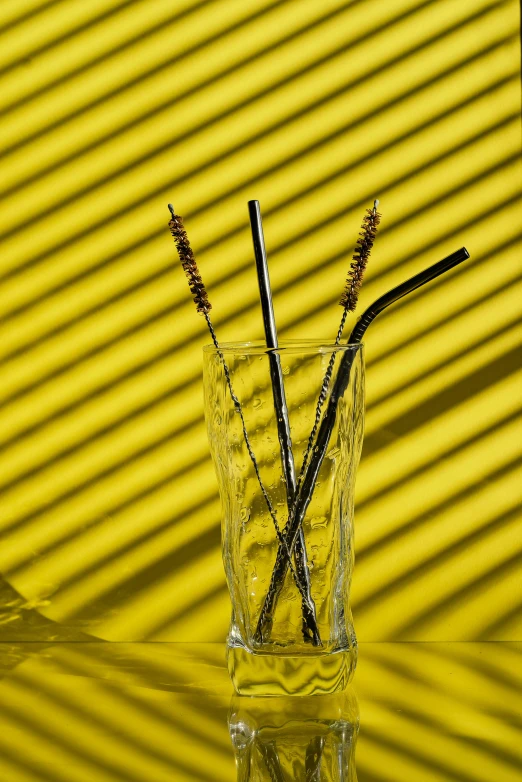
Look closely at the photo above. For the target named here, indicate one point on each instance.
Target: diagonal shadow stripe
(189, 134)
(72, 664)
(157, 191)
(19, 761)
(329, 260)
(458, 652)
(188, 611)
(118, 5)
(508, 201)
(407, 753)
(436, 405)
(492, 577)
(440, 557)
(44, 5)
(496, 126)
(496, 673)
(171, 393)
(366, 552)
(178, 430)
(125, 419)
(48, 734)
(433, 722)
(139, 583)
(114, 384)
(111, 470)
(429, 655)
(379, 400)
(146, 749)
(128, 44)
(447, 770)
(473, 384)
(170, 103)
(364, 775)
(85, 571)
(100, 307)
(419, 469)
(116, 467)
(496, 627)
(241, 310)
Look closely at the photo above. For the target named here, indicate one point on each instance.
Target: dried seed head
(186, 256)
(363, 248)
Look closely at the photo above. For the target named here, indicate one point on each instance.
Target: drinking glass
(257, 503)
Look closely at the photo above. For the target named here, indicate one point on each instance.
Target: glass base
(273, 675)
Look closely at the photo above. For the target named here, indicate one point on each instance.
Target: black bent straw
(310, 629)
(329, 418)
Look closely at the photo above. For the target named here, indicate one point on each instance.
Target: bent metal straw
(204, 306)
(329, 418)
(281, 410)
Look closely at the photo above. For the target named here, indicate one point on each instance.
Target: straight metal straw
(310, 629)
(329, 418)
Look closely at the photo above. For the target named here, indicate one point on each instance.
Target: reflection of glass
(295, 740)
(276, 656)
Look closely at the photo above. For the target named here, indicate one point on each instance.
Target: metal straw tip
(171, 210)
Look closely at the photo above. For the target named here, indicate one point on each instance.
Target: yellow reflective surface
(136, 712)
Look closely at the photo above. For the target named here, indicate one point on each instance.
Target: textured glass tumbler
(282, 656)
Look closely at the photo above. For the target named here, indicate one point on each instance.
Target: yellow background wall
(110, 109)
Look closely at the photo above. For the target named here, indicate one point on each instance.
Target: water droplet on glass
(257, 403)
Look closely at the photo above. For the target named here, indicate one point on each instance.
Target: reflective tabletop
(152, 712)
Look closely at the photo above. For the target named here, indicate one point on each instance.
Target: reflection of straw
(310, 629)
(204, 306)
(269, 752)
(314, 755)
(329, 418)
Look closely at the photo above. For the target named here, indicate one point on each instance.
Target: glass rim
(259, 348)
